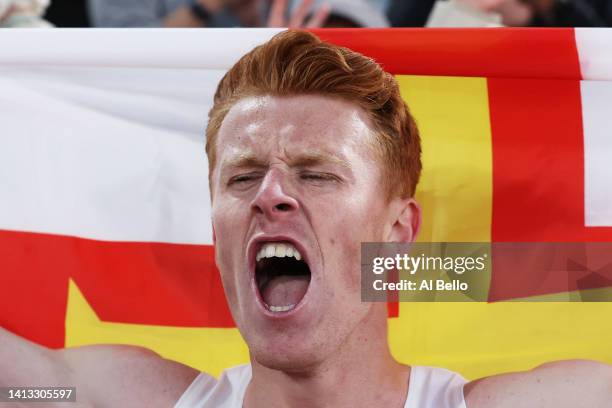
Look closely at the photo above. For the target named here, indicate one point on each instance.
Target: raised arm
(104, 375)
(23, 363)
(562, 384)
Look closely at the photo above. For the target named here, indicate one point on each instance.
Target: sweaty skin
(302, 169)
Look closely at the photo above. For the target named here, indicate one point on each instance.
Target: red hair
(298, 62)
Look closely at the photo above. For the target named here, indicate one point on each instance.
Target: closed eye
(243, 178)
(319, 177)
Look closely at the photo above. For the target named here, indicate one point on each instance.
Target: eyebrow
(316, 158)
(248, 160)
(243, 160)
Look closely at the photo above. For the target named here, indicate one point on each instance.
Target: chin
(284, 354)
(288, 363)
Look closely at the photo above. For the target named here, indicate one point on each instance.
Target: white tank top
(429, 387)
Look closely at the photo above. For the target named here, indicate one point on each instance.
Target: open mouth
(282, 276)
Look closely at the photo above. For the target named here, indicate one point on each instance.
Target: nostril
(283, 207)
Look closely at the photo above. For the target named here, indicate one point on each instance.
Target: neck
(361, 372)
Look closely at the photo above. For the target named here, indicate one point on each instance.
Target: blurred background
(305, 13)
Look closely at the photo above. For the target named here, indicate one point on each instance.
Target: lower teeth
(281, 308)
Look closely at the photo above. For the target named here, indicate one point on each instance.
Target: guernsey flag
(105, 231)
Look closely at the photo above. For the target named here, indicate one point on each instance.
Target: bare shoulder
(571, 383)
(120, 375)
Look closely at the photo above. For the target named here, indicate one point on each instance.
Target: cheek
(226, 251)
(343, 248)
(228, 235)
(226, 218)
(345, 225)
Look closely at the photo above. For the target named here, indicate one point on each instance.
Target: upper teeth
(280, 250)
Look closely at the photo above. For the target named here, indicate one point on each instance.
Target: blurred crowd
(304, 13)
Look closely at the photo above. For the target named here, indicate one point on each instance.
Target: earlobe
(408, 221)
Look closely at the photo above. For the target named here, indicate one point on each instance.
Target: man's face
(296, 174)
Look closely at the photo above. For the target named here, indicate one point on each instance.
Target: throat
(337, 385)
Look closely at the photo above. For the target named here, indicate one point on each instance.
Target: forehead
(263, 125)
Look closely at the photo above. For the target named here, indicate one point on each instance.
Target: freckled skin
(330, 218)
(276, 129)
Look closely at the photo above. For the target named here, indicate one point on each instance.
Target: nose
(273, 200)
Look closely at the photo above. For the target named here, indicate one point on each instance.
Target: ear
(407, 221)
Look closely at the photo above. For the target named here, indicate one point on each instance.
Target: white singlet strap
(206, 392)
(432, 387)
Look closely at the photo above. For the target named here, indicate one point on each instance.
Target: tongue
(285, 290)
